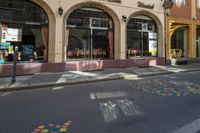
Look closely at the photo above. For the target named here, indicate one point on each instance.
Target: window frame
(198, 3)
(180, 2)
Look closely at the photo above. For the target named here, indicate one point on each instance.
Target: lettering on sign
(143, 5)
(114, 1)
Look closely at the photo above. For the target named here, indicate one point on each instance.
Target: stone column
(55, 54)
(168, 37)
(192, 41)
(193, 9)
(122, 44)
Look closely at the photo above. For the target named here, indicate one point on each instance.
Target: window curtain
(110, 39)
(45, 37)
(67, 42)
(67, 38)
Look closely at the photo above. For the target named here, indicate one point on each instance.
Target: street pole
(13, 78)
(167, 5)
(165, 36)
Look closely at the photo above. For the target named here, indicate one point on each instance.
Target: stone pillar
(168, 37)
(55, 54)
(192, 41)
(122, 44)
(193, 9)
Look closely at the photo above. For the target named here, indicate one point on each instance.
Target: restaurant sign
(143, 5)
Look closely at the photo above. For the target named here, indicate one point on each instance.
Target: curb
(8, 87)
(53, 84)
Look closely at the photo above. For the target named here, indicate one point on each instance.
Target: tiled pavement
(72, 77)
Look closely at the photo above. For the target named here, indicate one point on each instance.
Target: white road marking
(128, 107)
(113, 110)
(110, 111)
(84, 73)
(4, 94)
(58, 88)
(105, 95)
(192, 127)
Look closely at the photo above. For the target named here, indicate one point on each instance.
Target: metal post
(91, 43)
(13, 78)
(165, 36)
(167, 5)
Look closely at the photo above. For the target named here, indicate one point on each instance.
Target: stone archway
(109, 11)
(159, 27)
(178, 41)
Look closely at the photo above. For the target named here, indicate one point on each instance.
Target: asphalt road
(159, 104)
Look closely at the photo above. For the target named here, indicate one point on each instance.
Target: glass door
(79, 44)
(145, 46)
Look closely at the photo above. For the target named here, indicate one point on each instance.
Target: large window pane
(141, 37)
(177, 43)
(102, 44)
(90, 33)
(79, 44)
(198, 43)
(32, 21)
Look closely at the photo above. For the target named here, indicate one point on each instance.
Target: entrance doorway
(179, 43)
(90, 35)
(23, 24)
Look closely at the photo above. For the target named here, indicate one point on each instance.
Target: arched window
(23, 24)
(89, 34)
(141, 37)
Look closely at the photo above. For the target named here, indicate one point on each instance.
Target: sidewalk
(74, 77)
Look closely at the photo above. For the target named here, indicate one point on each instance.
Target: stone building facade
(92, 34)
(183, 34)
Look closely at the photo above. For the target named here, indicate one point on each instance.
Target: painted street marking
(5, 94)
(84, 73)
(192, 127)
(113, 110)
(58, 88)
(61, 80)
(128, 107)
(61, 127)
(110, 111)
(104, 95)
(167, 87)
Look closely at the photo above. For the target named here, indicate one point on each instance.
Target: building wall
(56, 50)
(182, 11)
(187, 16)
(115, 10)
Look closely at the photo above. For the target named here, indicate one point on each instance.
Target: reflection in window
(177, 43)
(179, 2)
(89, 35)
(198, 43)
(198, 3)
(141, 37)
(32, 21)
